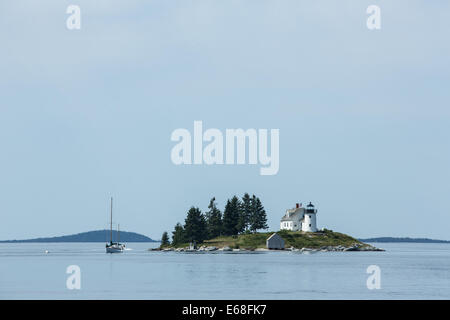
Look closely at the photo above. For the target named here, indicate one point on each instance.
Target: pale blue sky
(363, 115)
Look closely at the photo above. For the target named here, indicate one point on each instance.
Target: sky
(87, 114)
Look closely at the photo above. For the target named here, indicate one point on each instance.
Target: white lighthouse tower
(309, 223)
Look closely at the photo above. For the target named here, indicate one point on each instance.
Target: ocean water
(408, 271)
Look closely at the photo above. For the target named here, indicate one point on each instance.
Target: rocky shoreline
(339, 248)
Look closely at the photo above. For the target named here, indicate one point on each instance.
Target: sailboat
(114, 247)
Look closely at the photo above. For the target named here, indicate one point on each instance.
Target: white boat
(114, 247)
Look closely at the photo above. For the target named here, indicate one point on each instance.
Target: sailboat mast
(118, 233)
(111, 218)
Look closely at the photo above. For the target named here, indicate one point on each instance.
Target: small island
(238, 229)
(90, 236)
(325, 240)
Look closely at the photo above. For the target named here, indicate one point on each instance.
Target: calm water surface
(408, 271)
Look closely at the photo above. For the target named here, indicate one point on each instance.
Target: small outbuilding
(275, 241)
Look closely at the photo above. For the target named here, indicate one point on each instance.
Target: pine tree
(231, 216)
(213, 220)
(195, 226)
(258, 219)
(165, 239)
(228, 223)
(245, 213)
(178, 235)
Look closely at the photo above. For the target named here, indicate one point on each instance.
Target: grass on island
(296, 239)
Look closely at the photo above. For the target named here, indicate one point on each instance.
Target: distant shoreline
(402, 240)
(90, 236)
(125, 236)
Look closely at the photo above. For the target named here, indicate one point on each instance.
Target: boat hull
(114, 249)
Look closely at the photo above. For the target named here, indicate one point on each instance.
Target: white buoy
(46, 251)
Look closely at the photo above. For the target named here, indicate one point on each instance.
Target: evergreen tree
(178, 235)
(195, 226)
(227, 222)
(165, 239)
(213, 220)
(231, 216)
(258, 219)
(245, 213)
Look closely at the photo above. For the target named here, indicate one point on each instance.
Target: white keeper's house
(300, 219)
